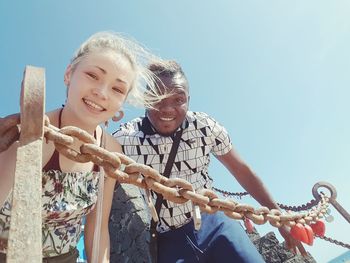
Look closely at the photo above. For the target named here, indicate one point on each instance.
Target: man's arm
(247, 178)
(255, 187)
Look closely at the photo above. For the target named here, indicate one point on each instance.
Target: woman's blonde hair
(138, 56)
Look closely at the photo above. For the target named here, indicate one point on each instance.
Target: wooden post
(25, 243)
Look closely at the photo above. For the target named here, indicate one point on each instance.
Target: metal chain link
(9, 131)
(227, 193)
(334, 241)
(176, 190)
(304, 207)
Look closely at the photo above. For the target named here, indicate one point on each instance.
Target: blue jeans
(220, 239)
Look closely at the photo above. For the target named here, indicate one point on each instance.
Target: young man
(149, 140)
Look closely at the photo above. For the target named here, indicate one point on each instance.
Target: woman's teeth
(93, 105)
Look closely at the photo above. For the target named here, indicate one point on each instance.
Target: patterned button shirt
(201, 135)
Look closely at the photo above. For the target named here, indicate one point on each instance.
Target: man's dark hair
(168, 68)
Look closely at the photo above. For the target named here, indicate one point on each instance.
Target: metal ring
(330, 187)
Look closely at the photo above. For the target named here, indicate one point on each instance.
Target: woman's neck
(68, 118)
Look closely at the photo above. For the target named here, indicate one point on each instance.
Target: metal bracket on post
(333, 193)
(25, 241)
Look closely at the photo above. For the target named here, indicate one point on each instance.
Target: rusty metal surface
(174, 189)
(332, 198)
(25, 242)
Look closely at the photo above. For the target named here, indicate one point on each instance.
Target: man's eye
(180, 100)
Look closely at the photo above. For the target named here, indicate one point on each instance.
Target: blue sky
(274, 73)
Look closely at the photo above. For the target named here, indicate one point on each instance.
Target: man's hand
(291, 243)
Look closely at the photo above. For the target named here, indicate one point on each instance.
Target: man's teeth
(93, 105)
(166, 119)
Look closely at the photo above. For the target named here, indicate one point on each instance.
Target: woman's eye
(92, 75)
(119, 90)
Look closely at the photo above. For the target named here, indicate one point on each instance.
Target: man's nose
(166, 107)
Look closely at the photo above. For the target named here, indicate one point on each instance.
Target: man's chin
(166, 132)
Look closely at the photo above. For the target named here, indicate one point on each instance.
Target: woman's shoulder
(112, 144)
(53, 116)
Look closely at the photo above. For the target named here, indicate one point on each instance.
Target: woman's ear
(67, 75)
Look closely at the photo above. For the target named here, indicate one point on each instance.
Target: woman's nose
(101, 91)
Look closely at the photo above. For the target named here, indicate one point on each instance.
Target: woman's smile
(94, 106)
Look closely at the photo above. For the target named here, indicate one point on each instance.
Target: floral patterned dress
(66, 199)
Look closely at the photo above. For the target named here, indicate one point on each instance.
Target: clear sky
(274, 73)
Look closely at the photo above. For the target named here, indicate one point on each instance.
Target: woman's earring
(119, 117)
(66, 81)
